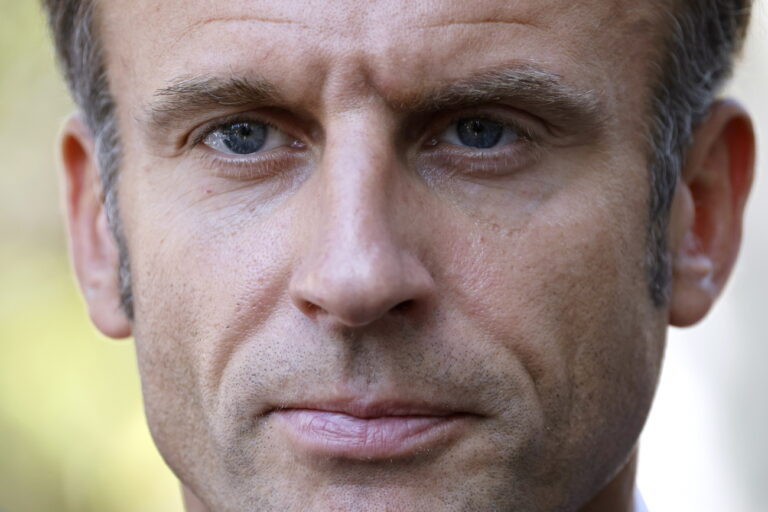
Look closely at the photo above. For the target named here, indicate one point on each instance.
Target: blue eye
(479, 133)
(242, 138)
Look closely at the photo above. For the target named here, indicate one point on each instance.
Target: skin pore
(366, 256)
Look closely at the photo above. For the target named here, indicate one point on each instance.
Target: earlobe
(93, 249)
(694, 290)
(707, 212)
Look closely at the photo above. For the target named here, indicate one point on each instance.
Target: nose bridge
(357, 174)
(358, 265)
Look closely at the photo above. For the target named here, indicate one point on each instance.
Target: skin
(367, 261)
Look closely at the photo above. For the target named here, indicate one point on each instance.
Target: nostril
(404, 307)
(309, 308)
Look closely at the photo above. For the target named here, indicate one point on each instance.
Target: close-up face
(391, 257)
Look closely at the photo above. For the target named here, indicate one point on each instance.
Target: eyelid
(199, 134)
(297, 128)
(260, 165)
(441, 158)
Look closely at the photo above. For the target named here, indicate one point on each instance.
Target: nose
(360, 262)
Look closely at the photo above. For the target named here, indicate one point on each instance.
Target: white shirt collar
(639, 503)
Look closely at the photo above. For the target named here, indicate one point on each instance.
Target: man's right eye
(242, 138)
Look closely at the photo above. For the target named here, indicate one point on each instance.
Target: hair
(700, 45)
(704, 38)
(81, 58)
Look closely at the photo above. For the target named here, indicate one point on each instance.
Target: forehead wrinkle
(483, 21)
(235, 18)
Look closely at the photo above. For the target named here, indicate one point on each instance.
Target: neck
(617, 496)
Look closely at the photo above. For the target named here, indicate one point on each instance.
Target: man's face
(390, 255)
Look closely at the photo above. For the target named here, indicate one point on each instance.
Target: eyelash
(247, 167)
(525, 133)
(200, 134)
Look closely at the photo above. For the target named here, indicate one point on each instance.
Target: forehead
(311, 48)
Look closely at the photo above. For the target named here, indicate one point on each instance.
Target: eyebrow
(542, 93)
(187, 96)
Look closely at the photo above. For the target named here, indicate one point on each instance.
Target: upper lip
(371, 408)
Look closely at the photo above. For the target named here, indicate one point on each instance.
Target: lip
(368, 432)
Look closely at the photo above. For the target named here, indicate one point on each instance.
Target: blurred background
(72, 430)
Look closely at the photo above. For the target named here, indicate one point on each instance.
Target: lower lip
(341, 435)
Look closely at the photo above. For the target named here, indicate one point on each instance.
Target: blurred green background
(72, 430)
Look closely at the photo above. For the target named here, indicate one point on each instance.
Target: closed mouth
(368, 432)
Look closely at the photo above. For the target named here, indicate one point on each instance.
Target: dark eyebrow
(542, 93)
(187, 96)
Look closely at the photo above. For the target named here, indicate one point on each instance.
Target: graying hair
(703, 39)
(81, 58)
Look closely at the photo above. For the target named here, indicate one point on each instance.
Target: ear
(93, 249)
(707, 211)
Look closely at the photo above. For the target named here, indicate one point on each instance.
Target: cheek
(207, 262)
(201, 269)
(564, 292)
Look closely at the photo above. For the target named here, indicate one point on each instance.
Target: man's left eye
(480, 133)
(242, 138)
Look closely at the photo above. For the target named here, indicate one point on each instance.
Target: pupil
(479, 133)
(245, 138)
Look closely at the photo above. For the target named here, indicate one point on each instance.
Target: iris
(479, 133)
(244, 138)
